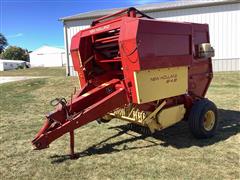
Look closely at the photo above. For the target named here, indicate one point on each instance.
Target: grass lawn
(37, 71)
(112, 151)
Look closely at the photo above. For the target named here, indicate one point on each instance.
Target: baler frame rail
(130, 12)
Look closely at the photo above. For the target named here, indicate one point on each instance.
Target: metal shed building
(6, 64)
(47, 56)
(223, 17)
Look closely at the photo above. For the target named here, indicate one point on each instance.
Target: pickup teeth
(139, 129)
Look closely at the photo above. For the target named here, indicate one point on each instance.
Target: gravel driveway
(6, 79)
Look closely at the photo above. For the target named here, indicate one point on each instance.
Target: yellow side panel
(170, 116)
(160, 83)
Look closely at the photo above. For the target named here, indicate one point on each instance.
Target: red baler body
(107, 54)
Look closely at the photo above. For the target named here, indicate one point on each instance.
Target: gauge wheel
(203, 119)
(105, 119)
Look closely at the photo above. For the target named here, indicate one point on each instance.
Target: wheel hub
(209, 120)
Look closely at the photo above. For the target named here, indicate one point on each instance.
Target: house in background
(6, 64)
(47, 56)
(223, 17)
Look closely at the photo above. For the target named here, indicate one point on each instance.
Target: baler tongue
(81, 110)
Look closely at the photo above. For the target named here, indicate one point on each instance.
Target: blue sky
(33, 23)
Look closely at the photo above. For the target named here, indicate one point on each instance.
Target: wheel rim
(209, 120)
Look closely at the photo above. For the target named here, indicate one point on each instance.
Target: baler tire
(197, 118)
(104, 120)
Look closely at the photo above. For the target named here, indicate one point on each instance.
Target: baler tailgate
(113, 99)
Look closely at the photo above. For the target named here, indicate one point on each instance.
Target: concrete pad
(6, 79)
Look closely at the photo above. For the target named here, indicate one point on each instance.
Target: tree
(15, 53)
(3, 42)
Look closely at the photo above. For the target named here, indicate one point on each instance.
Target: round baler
(149, 72)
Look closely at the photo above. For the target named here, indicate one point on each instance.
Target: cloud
(15, 35)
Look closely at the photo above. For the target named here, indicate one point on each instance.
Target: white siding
(47, 56)
(224, 24)
(48, 60)
(11, 64)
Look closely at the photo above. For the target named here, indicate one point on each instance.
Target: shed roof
(48, 50)
(179, 4)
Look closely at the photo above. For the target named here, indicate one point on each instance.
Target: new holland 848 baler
(133, 67)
